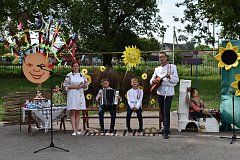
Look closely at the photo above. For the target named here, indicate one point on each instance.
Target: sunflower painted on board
(228, 57)
(131, 56)
(236, 84)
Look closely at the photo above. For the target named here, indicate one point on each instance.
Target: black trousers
(139, 116)
(196, 115)
(165, 103)
(112, 110)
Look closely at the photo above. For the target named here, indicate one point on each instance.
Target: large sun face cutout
(131, 56)
(228, 57)
(31, 70)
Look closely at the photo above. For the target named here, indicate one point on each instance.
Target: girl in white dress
(75, 83)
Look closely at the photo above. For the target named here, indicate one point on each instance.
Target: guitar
(156, 85)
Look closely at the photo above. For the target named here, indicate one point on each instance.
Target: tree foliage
(14, 11)
(202, 47)
(104, 22)
(101, 25)
(200, 13)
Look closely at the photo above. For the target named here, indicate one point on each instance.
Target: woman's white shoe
(78, 133)
(74, 134)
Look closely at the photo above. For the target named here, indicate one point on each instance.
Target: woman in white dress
(75, 83)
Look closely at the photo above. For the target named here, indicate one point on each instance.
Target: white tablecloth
(44, 114)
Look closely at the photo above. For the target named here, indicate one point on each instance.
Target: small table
(44, 114)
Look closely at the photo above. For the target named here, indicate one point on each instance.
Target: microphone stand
(51, 143)
(234, 136)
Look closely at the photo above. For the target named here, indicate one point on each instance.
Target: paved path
(17, 145)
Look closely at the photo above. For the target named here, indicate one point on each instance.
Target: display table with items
(40, 108)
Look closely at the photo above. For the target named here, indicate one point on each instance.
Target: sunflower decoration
(131, 56)
(121, 105)
(144, 76)
(89, 79)
(236, 84)
(126, 96)
(152, 101)
(228, 57)
(102, 68)
(140, 87)
(84, 71)
(89, 96)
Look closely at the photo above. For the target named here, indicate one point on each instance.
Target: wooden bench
(12, 104)
(86, 115)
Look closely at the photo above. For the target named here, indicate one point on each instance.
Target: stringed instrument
(156, 85)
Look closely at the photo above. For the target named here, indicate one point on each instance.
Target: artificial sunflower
(89, 79)
(228, 57)
(102, 68)
(89, 96)
(121, 105)
(84, 71)
(152, 101)
(140, 87)
(236, 84)
(131, 56)
(126, 96)
(144, 76)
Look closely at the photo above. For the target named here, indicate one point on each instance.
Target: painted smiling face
(31, 70)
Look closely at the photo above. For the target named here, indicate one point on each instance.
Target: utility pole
(174, 37)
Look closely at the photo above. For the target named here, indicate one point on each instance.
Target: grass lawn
(209, 88)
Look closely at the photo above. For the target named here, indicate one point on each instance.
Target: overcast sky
(167, 11)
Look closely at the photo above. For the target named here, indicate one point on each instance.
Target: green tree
(202, 47)
(14, 11)
(222, 12)
(102, 25)
(102, 21)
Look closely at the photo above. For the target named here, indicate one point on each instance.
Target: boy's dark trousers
(139, 116)
(112, 111)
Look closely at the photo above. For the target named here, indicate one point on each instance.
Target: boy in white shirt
(134, 97)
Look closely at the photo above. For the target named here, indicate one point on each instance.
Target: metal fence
(208, 67)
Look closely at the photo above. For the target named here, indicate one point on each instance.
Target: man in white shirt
(167, 75)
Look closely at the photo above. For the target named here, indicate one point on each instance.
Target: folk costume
(112, 108)
(134, 97)
(165, 91)
(75, 97)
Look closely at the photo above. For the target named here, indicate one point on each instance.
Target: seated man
(197, 108)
